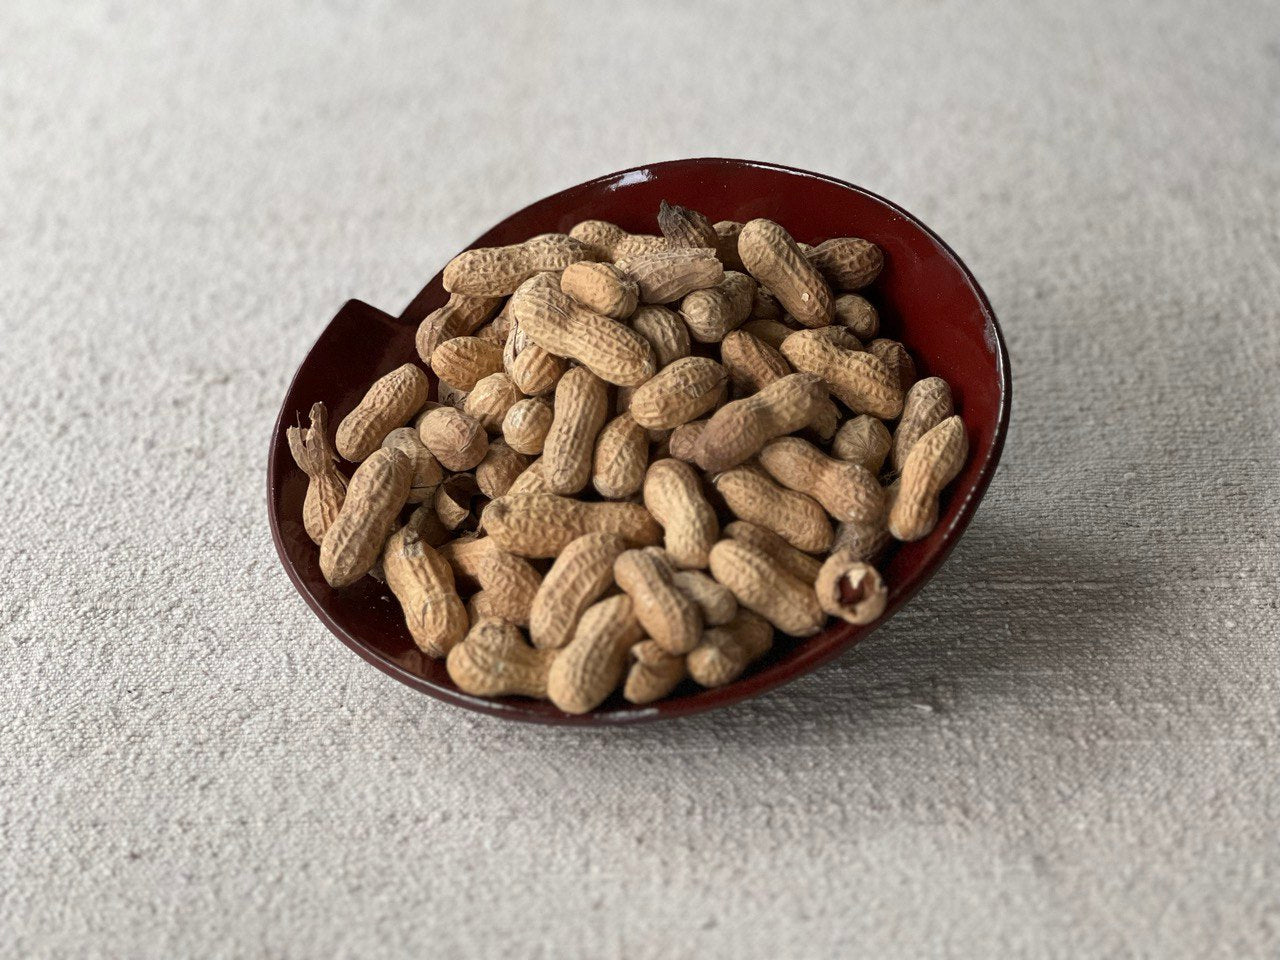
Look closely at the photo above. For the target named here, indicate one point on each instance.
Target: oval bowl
(926, 296)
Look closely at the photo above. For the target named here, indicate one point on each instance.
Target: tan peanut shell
(601, 287)
(850, 589)
(591, 666)
(928, 403)
(465, 361)
(712, 312)
(862, 541)
(726, 244)
(667, 276)
(579, 577)
(489, 402)
(858, 315)
(664, 330)
(581, 405)
(526, 424)
(654, 673)
(848, 263)
(499, 469)
(423, 583)
(620, 459)
(772, 257)
(726, 651)
(769, 332)
(666, 613)
(561, 325)
(449, 396)
(454, 501)
(533, 370)
(531, 481)
(673, 496)
(738, 430)
(715, 600)
(494, 333)
(752, 364)
(427, 473)
(610, 242)
(933, 462)
(495, 661)
(795, 517)
(683, 442)
(498, 271)
(460, 317)
(846, 490)
(766, 588)
(510, 582)
(861, 381)
(840, 336)
(425, 523)
(458, 441)
(326, 487)
(684, 226)
(799, 564)
(679, 392)
(895, 356)
(863, 439)
(391, 402)
(375, 496)
(543, 524)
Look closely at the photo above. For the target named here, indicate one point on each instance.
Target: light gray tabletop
(1067, 745)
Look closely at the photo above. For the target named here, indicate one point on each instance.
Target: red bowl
(927, 299)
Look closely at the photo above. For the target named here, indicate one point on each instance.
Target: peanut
(683, 442)
(582, 403)
(772, 257)
(766, 588)
(841, 337)
(665, 331)
(453, 501)
(712, 312)
(499, 469)
(531, 481)
(424, 522)
(423, 583)
(494, 333)
(894, 356)
(865, 440)
(666, 613)
(375, 496)
(510, 582)
(795, 517)
(933, 462)
(850, 589)
(726, 244)
(610, 242)
(654, 673)
(738, 430)
(848, 491)
(391, 402)
(489, 402)
(678, 393)
(326, 487)
(601, 287)
(526, 424)
(848, 263)
(561, 325)
(426, 472)
(621, 456)
(796, 562)
(581, 574)
(765, 305)
(590, 667)
(458, 441)
(726, 651)
(752, 363)
(715, 600)
(495, 661)
(498, 271)
(685, 227)
(533, 370)
(769, 332)
(449, 396)
(861, 381)
(673, 496)
(858, 315)
(669, 275)
(928, 403)
(460, 317)
(862, 541)
(543, 524)
(465, 361)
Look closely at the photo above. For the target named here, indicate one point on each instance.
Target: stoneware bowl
(927, 299)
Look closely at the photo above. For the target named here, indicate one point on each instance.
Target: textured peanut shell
(531, 481)
(797, 518)
(727, 232)
(860, 380)
(654, 673)
(770, 332)
(666, 613)
(494, 333)
(752, 364)
(863, 439)
(850, 589)
(664, 330)
(928, 403)
(499, 469)
(848, 263)
(543, 524)
(533, 370)
(498, 271)
(458, 441)
(391, 402)
(684, 226)
(449, 396)
(772, 257)
(375, 496)
(454, 501)
(620, 459)
(678, 393)
(858, 315)
(581, 405)
(766, 588)
(895, 356)
(510, 582)
(862, 541)
(579, 577)
(526, 424)
(315, 456)
(465, 361)
(726, 651)
(933, 462)
(601, 287)
(561, 325)
(846, 490)
(713, 312)
(495, 661)
(796, 562)
(427, 472)
(738, 430)
(460, 317)
(840, 336)
(673, 496)
(683, 442)
(423, 583)
(491, 399)
(610, 242)
(715, 600)
(591, 666)
(667, 276)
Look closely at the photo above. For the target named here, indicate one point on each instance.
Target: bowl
(926, 296)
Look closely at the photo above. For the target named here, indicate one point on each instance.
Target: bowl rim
(811, 654)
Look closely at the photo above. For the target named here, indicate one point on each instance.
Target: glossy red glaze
(927, 298)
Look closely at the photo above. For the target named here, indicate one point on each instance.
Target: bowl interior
(926, 298)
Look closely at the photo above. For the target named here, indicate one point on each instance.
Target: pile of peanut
(606, 402)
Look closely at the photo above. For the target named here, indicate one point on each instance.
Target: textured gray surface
(1066, 746)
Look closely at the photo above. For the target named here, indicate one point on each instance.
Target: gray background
(1066, 746)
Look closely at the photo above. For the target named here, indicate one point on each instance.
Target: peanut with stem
(326, 487)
